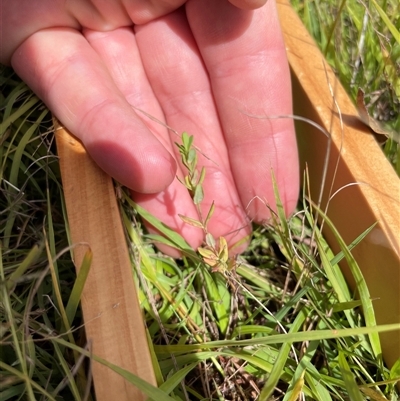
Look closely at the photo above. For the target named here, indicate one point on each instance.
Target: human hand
(205, 68)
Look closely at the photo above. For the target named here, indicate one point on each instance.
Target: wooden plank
(113, 319)
(369, 189)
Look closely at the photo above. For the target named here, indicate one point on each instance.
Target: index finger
(68, 75)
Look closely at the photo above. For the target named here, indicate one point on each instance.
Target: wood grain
(113, 319)
(368, 188)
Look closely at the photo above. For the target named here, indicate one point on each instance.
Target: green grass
(280, 320)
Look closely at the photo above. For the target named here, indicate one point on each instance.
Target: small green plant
(194, 179)
(215, 255)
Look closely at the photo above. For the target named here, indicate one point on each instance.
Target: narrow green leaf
(154, 393)
(66, 369)
(362, 287)
(202, 175)
(219, 298)
(198, 195)
(297, 388)
(183, 182)
(29, 260)
(20, 111)
(395, 371)
(393, 30)
(352, 245)
(159, 239)
(349, 380)
(76, 293)
(163, 229)
(28, 382)
(16, 165)
(281, 338)
(281, 359)
(169, 385)
(337, 282)
(342, 306)
(279, 207)
(316, 384)
(156, 365)
(209, 214)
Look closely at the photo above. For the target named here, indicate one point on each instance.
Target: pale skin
(201, 66)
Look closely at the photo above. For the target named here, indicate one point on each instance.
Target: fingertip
(248, 4)
(149, 172)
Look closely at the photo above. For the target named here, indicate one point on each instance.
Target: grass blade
(349, 380)
(75, 297)
(393, 30)
(362, 287)
(281, 360)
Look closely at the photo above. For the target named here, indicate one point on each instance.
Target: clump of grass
(261, 330)
(361, 41)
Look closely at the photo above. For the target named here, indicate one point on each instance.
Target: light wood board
(113, 320)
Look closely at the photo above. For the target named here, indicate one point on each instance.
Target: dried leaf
(375, 125)
(297, 389)
(223, 250)
(209, 256)
(190, 221)
(209, 214)
(372, 394)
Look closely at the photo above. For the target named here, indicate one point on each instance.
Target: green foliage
(270, 351)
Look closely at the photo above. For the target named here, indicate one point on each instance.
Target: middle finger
(179, 80)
